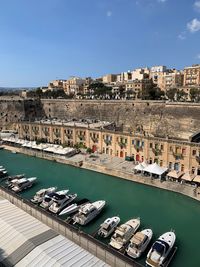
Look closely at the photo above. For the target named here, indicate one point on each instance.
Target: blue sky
(42, 40)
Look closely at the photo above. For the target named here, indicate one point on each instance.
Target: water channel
(158, 209)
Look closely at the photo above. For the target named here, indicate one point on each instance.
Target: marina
(168, 213)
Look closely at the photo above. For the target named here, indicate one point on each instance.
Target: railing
(95, 140)
(107, 142)
(157, 151)
(138, 147)
(122, 144)
(177, 155)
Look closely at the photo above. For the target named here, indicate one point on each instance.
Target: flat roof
(25, 241)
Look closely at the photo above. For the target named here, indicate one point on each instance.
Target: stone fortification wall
(14, 109)
(179, 120)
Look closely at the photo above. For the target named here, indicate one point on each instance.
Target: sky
(43, 40)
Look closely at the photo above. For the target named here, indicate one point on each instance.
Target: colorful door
(121, 154)
(94, 148)
(137, 157)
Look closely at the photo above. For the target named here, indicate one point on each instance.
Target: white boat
(3, 174)
(48, 199)
(23, 184)
(39, 196)
(61, 201)
(108, 226)
(88, 212)
(139, 243)
(74, 207)
(124, 232)
(160, 249)
(10, 178)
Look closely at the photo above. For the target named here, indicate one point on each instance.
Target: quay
(112, 166)
(84, 240)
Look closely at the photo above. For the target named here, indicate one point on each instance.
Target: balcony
(177, 155)
(138, 147)
(46, 133)
(81, 137)
(157, 152)
(57, 134)
(107, 142)
(122, 144)
(95, 140)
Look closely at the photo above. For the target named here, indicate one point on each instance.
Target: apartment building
(192, 76)
(74, 85)
(174, 154)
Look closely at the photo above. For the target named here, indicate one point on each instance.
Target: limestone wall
(179, 120)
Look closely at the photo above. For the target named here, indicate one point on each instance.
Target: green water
(158, 209)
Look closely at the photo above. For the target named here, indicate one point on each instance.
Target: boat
(160, 250)
(48, 199)
(23, 184)
(123, 233)
(139, 243)
(18, 176)
(108, 226)
(60, 202)
(3, 173)
(88, 212)
(74, 207)
(39, 196)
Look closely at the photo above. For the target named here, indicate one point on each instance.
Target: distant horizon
(55, 39)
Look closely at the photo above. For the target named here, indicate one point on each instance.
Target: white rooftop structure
(155, 169)
(25, 241)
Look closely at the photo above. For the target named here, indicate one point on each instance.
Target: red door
(121, 154)
(94, 148)
(137, 157)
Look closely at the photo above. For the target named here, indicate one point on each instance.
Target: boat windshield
(47, 199)
(40, 194)
(133, 245)
(159, 247)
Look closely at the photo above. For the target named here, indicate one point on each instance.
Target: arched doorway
(94, 148)
(137, 157)
(121, 154)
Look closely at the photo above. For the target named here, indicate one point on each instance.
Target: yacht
(23, 184)
(139, 243)
(10, 178)
(74, 207)
(39, 196)
(108, 226)
(88, 212)
(124, 232)
(61, 201)
(48, 199)
(3, 173)
(159, 251)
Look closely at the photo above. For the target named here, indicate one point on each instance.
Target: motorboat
(48, 199)
(3, 174)
(108, 226)
(139, 243)
(123, 233)
(23, 184)
(18, 176)
(61, 201)
(39, 196)
(160, 249)
(88, 212)
(74, 207)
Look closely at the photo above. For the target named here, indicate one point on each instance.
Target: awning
(141, 166)
(197, 179)
(155, 169)
(188, 177)
(175, 174)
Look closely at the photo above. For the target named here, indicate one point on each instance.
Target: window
(150, 145)
(182, 167)
(161, 147)
(132, 142)
(142, 143)
(194, 152)
(184, 151)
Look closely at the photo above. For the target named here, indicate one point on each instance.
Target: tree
(152, 93)
(195, 94)
(171, 93)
